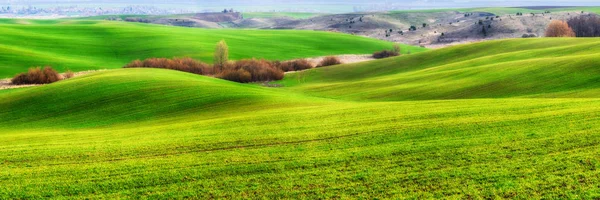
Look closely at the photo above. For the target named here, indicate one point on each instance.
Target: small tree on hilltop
(221, 55)
(558, 28)
(396, 49)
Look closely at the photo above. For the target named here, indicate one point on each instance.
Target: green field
(578, 9)
(501, 119)
(88, 44)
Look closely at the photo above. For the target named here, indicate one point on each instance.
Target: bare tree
(396, 49)
(585, 26)
(558, 28)
(221, 55)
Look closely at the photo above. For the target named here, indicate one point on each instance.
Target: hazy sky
(313, 4)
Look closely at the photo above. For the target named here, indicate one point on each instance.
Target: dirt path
(346, 59)
(6, 83)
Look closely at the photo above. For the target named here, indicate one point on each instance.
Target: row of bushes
(38, 75)
(180, 64)
(243, 71)
(251, 70)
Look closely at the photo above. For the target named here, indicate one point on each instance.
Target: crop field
(502, 119)
(80, 45)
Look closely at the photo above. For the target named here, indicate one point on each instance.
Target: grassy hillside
(577, 9)
(87, 44)
(151, 133)
(505, 68)
(135, 93)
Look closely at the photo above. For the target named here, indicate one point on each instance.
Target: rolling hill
(90, 44)
(503, 68)
(414, 126)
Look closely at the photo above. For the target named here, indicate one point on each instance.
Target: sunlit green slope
(506, 68)
(86, 44)
(151, 133)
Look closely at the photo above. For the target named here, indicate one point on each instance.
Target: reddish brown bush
(260, 70)
(329, 61)
(295, 65)
(559, 28)
(68, 74)
(242, 71)
(20, 79)
(37, 76)
(179, 64)
(51, 75)
(240, 76)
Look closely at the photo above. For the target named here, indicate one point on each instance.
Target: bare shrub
(179, 64)
(260, 70)
(329, 61)
(37, 75)
(384, 54)
(221, 55)
(50, 75)
(68, 74)
(558, 28)
(20, 79)
(295, 65)
(240, 76)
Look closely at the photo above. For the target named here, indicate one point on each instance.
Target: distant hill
(219, 17)
(432, 28)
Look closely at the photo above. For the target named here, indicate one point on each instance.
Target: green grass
(504, 68)
(90, 44)
(297, 15)
(390, 128)
(577, 9)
